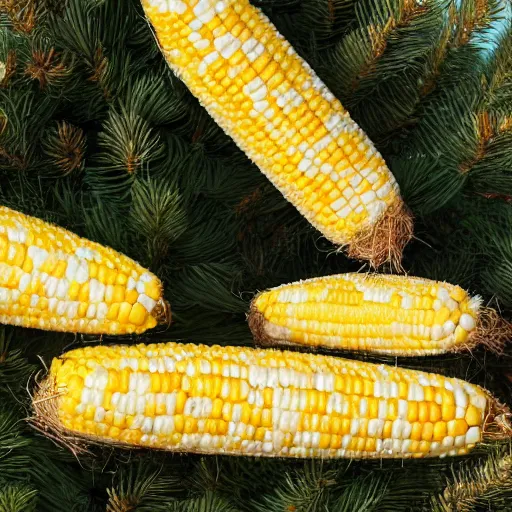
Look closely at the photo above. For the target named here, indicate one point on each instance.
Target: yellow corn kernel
(217, 408)
(457, 427)
(439, 431)
(394, 315)
(416, 431)
(447, 412)
(124, 312)
(473, 416)
(412, 412)
(325, 441)
(181, 398)
(119, 395)
(190, 426)
(427, 431)
(107, 398)
(114, 432)
(60, 269)
(179, 423)
(434, 412)
(424, 447)
(82, 309)
(267, 397)
(423, 412)
(83, 294)
(120, 421)
(137, 314)
(266, 418)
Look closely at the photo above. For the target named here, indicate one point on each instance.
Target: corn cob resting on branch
(388, 314)
(52, 279)
(244, 401)
(273, 105)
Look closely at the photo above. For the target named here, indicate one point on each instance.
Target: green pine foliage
(98, 136)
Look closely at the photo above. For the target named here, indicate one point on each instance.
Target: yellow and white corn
(52, 279)
(273, 105)
(244, 401)
(396, 315)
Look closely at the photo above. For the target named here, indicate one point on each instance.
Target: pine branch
(210, 285)
(139, 487)
(65, 145)
(19, 138)
(487, 484)
(49, 67)
(22, 13)
(17, 497)
(364, 493)
(14, 368)
(209, 237)
(310, 24)
(77, 28)
(426, 184)
(474, 16)
(437, 56)
(456, 53)
(157, 217)
(377, 68)
(156, 97)
(490, 160)
(499, 88)
(485, 132)
(104, 223)
(305, 490)
(208, 502)
(381, 32)
(15, 463)
(128, 141)
(144, 169)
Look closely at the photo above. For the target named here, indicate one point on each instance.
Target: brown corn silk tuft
(385, 241)
(45, 418)
(492, 332)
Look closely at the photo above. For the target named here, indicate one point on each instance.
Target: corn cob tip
(491, 332)
(270, 335)
(45, 417)
(162, 312)
(498, 422)
(385, 241)
(267, 334)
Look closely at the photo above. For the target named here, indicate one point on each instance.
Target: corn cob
(244, 401)
(388, 314)
(54, 280)
(284, 118)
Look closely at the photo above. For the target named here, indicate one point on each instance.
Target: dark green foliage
(486, 484)
(98, 136)
(17, 498)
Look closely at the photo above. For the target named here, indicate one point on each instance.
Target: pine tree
(98, 136)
